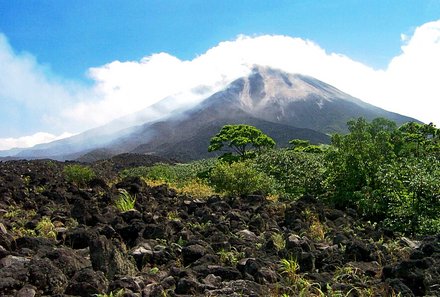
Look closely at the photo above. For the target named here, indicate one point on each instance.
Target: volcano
(285, 106)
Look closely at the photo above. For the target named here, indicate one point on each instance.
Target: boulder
(192, 253)
(110, 257)
(47, 277)
(87, 282)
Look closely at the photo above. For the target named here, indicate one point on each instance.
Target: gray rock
(87, 282)
(27, 291)
(13, 260)
(153, 290)
(192, 253)
(247, 235)
(212, 280)
(110, 257)
(47, 277)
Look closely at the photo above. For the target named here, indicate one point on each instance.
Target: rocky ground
(57, 239)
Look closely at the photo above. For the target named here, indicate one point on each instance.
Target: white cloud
(126, 87)
(27, 85)
(29, 141)
(408, 85)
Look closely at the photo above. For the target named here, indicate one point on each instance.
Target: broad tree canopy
(240, 139)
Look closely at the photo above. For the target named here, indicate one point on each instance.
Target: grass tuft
(125, 201)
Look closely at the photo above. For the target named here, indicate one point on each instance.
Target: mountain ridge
(270, 99)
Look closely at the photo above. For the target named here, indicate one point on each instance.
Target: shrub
(162, 172)
(278, 241)
(230, 257)
(125, 201)
(46, 228)
(78, 174)
(240, 178)
(188, 179)
(196, 188)
(296, 173)
(178, 174)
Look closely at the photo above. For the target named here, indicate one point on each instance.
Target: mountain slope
(285, 106)
(282, 105)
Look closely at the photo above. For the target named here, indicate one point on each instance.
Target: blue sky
(67, 50)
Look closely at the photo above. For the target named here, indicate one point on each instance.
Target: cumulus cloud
(29, 89)
(126, 87)
(408, 85)
(29, 141)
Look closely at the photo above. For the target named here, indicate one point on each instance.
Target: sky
(68, 66)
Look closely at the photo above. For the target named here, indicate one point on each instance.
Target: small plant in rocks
(78, 174)
(46, 228)
(278, 241)
(290, 268)
(125, 201)
(230, 257)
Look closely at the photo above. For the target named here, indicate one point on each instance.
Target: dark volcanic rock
(358, 251)
(110, 257)
(68, 261)
(188, 286)
(192, 253)
(46, 276)
(176, 245)
(87, 282)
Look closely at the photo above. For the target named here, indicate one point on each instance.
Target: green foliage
(390, 174)
(290, 268)
(410, 190)
(196, 188)
(230, 257)
(300, 145)
(316, 229)
(179, 174)
(240, 138)
(240, 178)
(153, 271)
(125, 201)
(187, 179)
(356, 158)
(46, 228)
(78, 174)
(278, 241)
(163, 172)
(296, 173)
(418, 140)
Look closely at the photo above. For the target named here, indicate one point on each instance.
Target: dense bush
(296, 173)
(391, 175)
(409, 191)
(78, 174)
(240, 178)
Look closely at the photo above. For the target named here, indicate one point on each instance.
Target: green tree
(241, 139)
(356, 158)
(390, 174)
(411, 189)
(418, 139)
